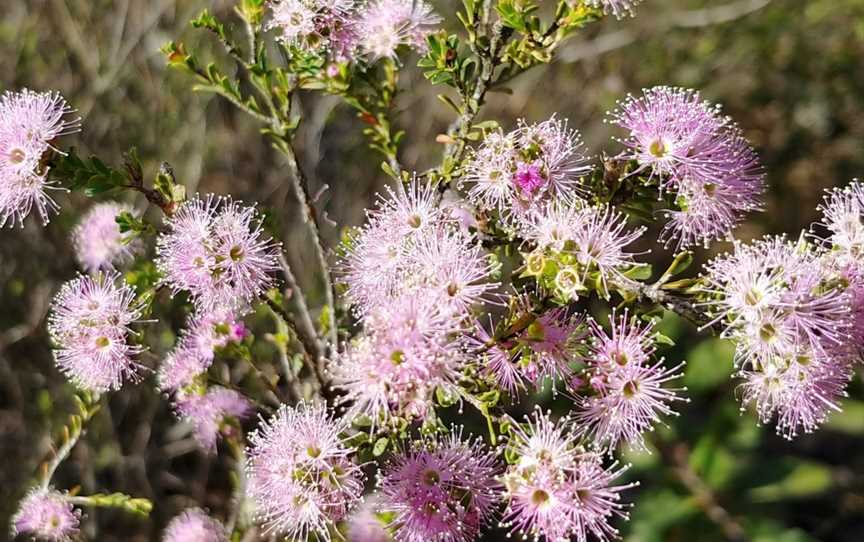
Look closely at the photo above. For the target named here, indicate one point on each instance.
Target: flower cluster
(555, 489)
(47, 515)
(698, 155)
(180, 373)
(29, 123)
(626, 396)
(578, 249)
(196, 349)
(194, 525)
(216, 249)
(97, 239)
(365, 523)
(521, 171)
(385, 25)
(413, 276)
(347, 30)
(443, 489)
(89, 325)
(545, 349)
(792, 321)
(410, 244)
(208, 412)
(406, 352)
(301, 475)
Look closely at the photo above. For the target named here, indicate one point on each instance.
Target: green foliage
(91, 175)
(133, 505)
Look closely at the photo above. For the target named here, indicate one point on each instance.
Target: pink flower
(216, 249)
(194, 352)
(628, 396)
(89, 325)
(312, 25)
(47, 515)
(385, 25)
(97, 239)
(528, 179)
(301, 475)
(426, 489)
(535, 165)
(207, 413)
(29, 123)
(696, 153)
(406, 352)
(557, 491)
(793, 313)
(498, 360)
(365, 525)
(194, 525)
(410, 244)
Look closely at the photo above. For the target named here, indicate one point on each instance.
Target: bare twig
(677, 457)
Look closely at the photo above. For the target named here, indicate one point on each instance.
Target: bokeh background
(789, 71)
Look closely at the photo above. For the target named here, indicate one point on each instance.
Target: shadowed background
(788, 71)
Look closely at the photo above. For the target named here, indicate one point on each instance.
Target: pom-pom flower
(365, 523)
(579, 248)
(301, 475)
(197, 346)
(519, 172)
(29, 123)
(314, 25)
(385, 25)
(194, 525)
(698, 155)
(843, 217)
(407, 352)
(207, 413)
(549, 346)
(89, 325)
(46, 514)
(555, 489)
(442, 489)
(409, 244)
(97, 239)
(216, 249)
(791, 320)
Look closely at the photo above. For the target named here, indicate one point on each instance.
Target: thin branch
(72, 433)
(306, 323)
(677, 457)
(309, 216)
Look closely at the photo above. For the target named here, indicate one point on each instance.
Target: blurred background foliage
(789, 71)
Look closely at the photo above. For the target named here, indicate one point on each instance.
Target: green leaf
(639, 272)
(709, 365)
(380, 446)
(806, 479)
(850, 419)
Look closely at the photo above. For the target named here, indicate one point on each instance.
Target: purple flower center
(529, 179)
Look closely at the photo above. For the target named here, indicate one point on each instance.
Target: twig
(678, 458)
(87, 407)
(299, 298)
(310, 218)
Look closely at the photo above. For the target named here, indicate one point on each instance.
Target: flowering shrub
(512, 268)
